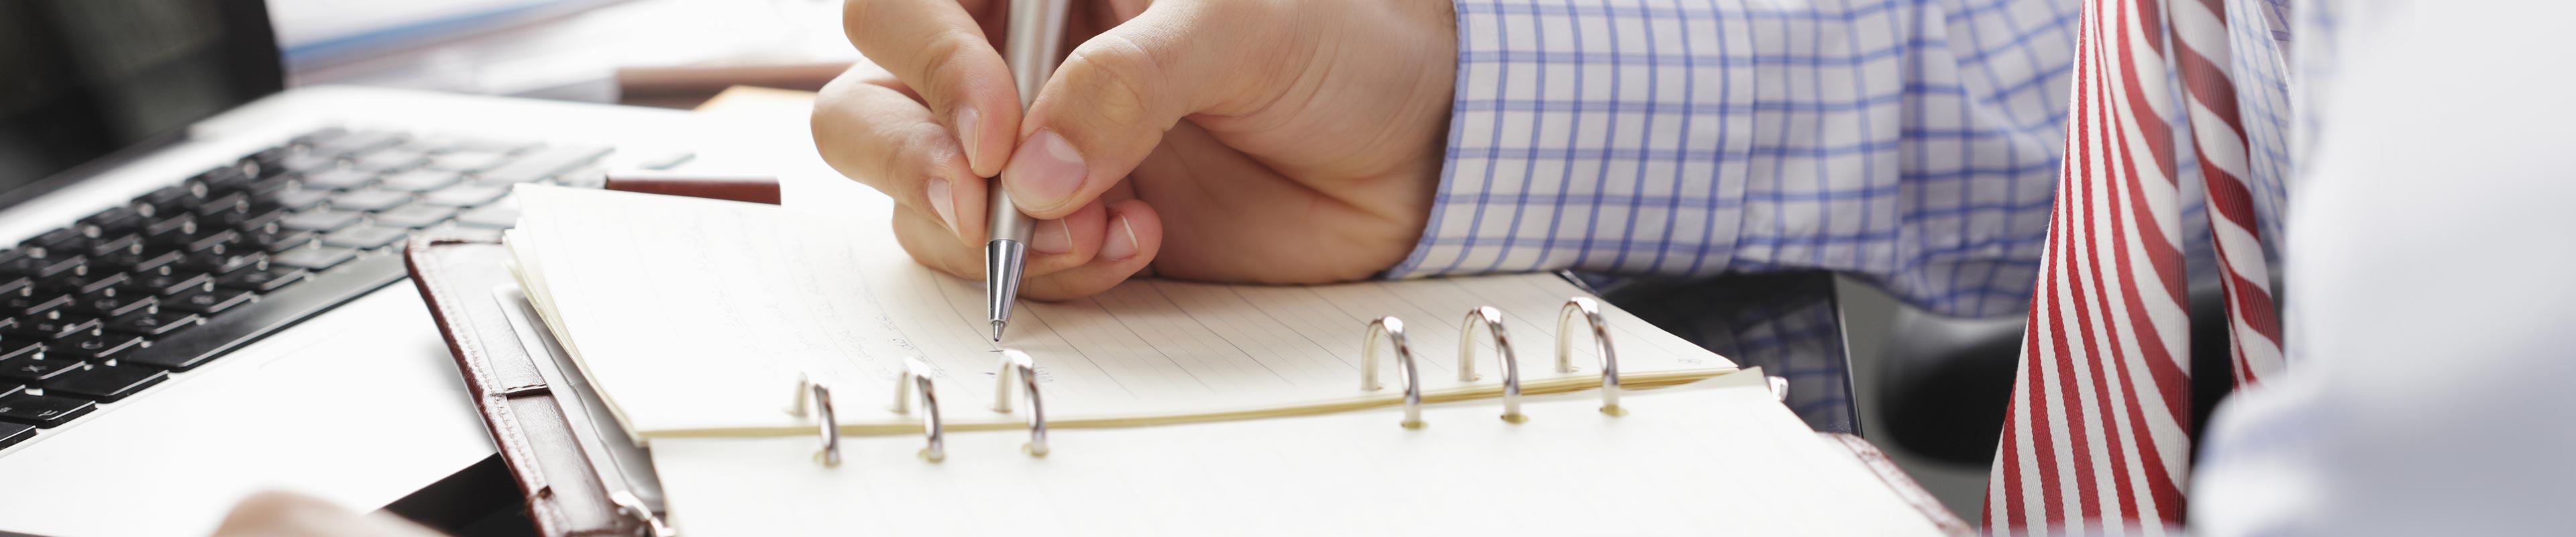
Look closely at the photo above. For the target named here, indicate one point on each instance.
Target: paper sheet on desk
(695, 317)
(1722, 459)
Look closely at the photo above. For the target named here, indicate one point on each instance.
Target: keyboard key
(57, 240)
(297, 199)
(208, 302)
(168, 200)
(355, 143)
(262, 190)
(80, 284)
(16, 285)
(366, 237)
(50, 329)
(370, 200)
(279, 241)
(338, 179)
(306, 141)
(174, 225)
(263, 280)
(222, 263)
(36, 367)
(419, 180)
(43, 410)
(227, 203)
(11, 434)
(490, 217)
(38, 267)
(471, 233)
(251, 219)
(307, 163)
(40, 305)
(12, 348)
(92, 347)
(417, 215)
(465, 195)
(321, 220)
(169, 284)
(153, 323)
(211, 242)
(152, 260)
(109, 303)
(467, 161)
(228, 178)
(314, 258)
(115, 219)
(127, 243)
(542, 164)
(105, 383)
(387, 160)
(429, 144)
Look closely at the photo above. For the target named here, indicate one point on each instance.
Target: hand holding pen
(1224, 140)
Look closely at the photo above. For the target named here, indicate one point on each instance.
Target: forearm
(1915, 145)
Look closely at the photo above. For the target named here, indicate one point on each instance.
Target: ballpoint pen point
(997, 330)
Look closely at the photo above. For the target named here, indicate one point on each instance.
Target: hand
(1271, 141)
(280, 514)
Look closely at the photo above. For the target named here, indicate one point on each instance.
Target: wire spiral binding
(1492, 320)
(1018, 364)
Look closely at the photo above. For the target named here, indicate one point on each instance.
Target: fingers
(1134, 235)
(939, 48)
(880, 137)
(1108, 243)
(1054, 246)
(1108, 104)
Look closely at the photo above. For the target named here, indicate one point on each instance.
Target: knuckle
(946, 51)
(919, 150)
(1116, 71)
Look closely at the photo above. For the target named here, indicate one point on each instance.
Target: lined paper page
(1689, 460)
(695, 317)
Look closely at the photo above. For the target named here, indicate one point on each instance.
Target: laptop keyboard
(115, 303)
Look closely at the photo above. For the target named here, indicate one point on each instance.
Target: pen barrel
(1036, 40)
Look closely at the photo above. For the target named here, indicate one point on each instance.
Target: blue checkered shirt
(1914, 144)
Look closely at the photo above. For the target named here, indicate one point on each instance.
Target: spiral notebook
(696, 317)
(1719, 457)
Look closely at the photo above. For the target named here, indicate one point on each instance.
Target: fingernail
(966, 121)
(943, 202)
(1051, 237)
(1121, 243)
(1045, 172)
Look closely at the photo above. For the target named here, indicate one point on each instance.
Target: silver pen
(1036, 34)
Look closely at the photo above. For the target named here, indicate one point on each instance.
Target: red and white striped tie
(2096, 434)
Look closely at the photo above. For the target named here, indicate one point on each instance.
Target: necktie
(2096, 431)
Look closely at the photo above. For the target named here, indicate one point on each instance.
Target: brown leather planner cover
(564, 493)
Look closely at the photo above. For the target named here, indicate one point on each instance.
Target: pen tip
(997, 330)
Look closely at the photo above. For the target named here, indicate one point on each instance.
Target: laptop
(199, 268)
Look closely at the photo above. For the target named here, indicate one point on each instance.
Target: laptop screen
(83, 79)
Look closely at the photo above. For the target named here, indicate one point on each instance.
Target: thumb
(1107, 106)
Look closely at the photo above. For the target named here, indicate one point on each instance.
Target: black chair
(1946, 380)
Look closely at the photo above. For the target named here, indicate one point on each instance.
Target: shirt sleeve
(1912, 144)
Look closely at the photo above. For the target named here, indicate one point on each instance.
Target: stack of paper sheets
(696, 318)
